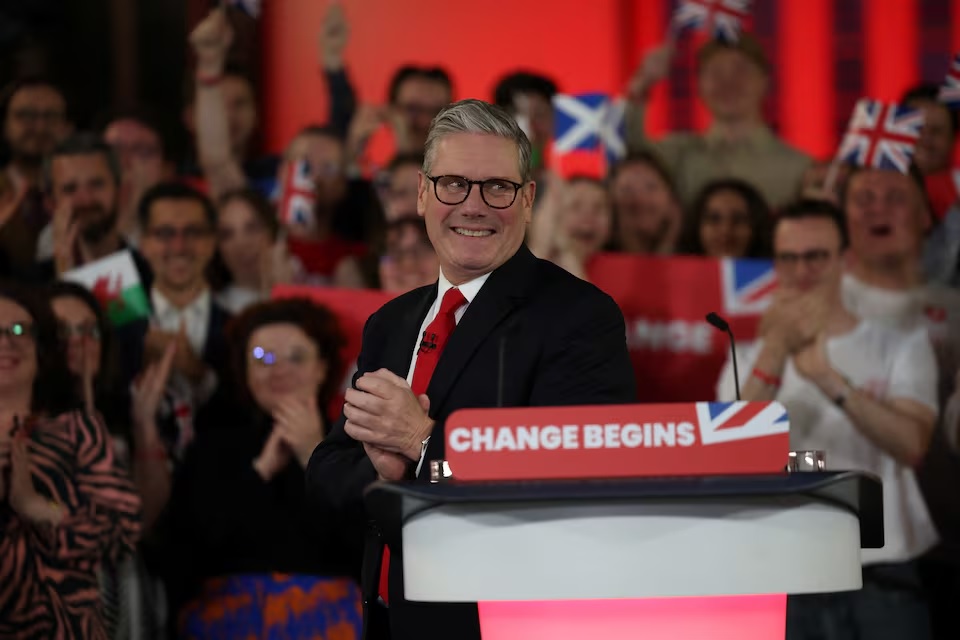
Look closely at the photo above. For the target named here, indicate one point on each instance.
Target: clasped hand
(389, 420)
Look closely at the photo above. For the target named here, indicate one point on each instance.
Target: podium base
(718, 618)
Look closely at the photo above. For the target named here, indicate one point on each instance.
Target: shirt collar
(162, 306)
(469, 289)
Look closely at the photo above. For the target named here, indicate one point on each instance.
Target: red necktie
(432, 342)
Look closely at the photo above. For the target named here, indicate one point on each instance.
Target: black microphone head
(717, 321)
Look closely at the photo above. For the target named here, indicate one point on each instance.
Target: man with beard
(35, 119)
(82, 177)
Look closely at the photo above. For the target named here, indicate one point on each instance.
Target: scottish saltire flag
(249, 7)
(721, 19)
(747, 285)
(881, 135)
(950, 90)
(590, 123)
(297, 197)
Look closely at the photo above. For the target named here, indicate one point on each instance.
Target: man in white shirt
(178, 241)
(865, 394)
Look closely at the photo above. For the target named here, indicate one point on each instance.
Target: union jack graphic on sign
(729, 421)
(748, 286)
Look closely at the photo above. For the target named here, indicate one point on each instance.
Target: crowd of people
(152, 475)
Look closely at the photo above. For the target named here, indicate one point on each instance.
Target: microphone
(721, 324)
(428, 343)
(502, 358)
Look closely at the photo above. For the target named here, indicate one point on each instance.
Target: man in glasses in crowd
(179, 242)
(434, 350)
(865, 394)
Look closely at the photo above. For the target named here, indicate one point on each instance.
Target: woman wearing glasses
(246, 554)
(66, 506)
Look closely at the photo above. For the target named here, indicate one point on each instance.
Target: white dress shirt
(469, 290)
(195, 317)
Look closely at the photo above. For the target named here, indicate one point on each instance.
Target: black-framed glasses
(498, 193)
(19, 333)
(192, 233)
(265, 358)
(815, 258)
(82, 330)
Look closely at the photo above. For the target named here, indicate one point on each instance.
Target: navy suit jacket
(564, 343)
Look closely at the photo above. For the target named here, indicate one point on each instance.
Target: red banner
(677, 356)
(617, 441)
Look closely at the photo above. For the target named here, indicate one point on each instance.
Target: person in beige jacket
(733, 79)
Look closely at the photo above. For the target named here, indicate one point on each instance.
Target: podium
(626, 557)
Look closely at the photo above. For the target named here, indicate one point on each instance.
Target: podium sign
(619, 441)
(624, 441)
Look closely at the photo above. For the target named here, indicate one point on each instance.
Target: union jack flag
(748, 285)
(723, 19)
(950, 91)
(881, 135)
(589, 122)
(297, 197)
(728, 421)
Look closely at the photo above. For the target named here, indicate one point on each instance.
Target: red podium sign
(704, 438)
(621, 441)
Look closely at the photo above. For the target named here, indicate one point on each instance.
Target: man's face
(409, 261)
(807, 254)
(473, 238)
(241, 107)
(84, 183)
(36, 122)
(645, 207)
(732, 85)
(400, 193)
(139, 149)
(935, 146)
(886, 216)
(178, 243)
(419, 100)
(539, 111)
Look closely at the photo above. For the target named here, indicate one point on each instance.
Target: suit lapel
(498, 297)
(400, 350)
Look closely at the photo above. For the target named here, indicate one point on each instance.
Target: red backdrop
(827, 53)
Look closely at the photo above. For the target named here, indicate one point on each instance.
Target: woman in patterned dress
(65, 505)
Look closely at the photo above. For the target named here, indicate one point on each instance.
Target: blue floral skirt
(274, 606)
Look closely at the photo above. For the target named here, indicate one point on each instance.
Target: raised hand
(65, 233)
(334, 35)
(273, 458)
(211, 40)
(654, 68)
(298, 422)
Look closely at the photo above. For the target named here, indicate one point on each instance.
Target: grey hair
(477, 116)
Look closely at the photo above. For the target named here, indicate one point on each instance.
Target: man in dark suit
(437, 349)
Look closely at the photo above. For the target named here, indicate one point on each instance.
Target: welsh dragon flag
(115, 282)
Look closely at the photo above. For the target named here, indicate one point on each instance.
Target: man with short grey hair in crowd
(435, 350)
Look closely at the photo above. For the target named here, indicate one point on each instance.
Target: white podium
(625, 549)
